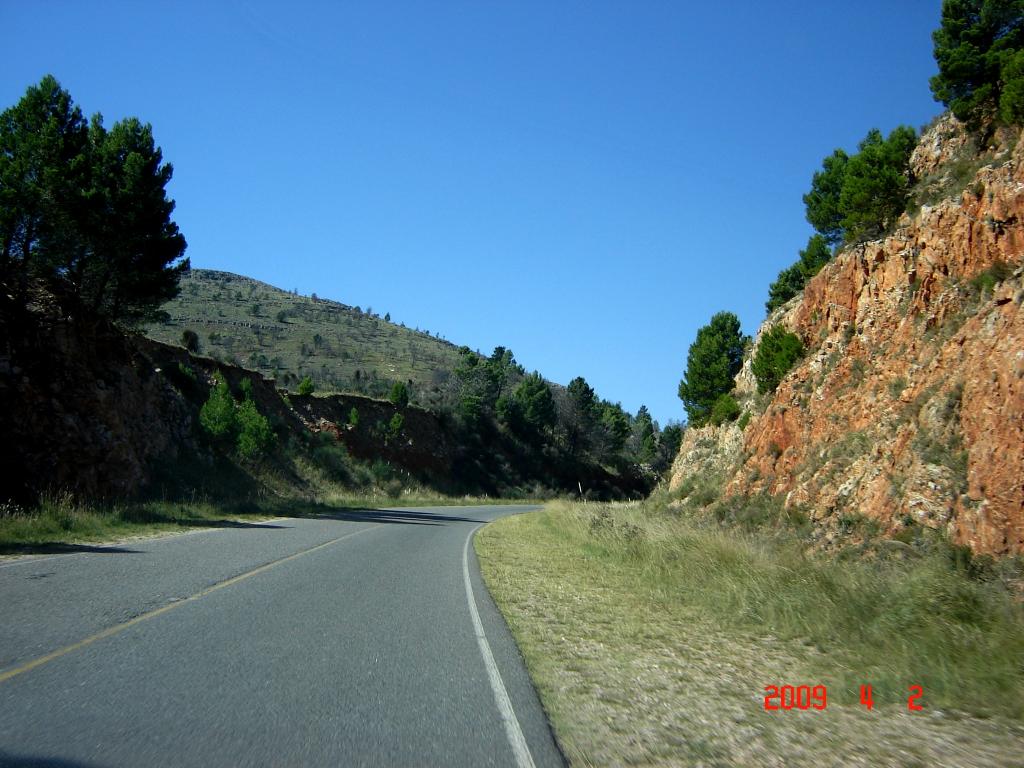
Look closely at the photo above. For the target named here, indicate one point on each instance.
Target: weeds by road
(651, 638)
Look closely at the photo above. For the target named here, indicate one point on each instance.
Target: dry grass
(637, 665)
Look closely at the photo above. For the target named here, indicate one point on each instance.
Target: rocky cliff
(908, 407)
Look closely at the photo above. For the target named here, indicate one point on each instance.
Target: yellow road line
(28, 666)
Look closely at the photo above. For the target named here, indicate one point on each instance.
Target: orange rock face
(909, 404)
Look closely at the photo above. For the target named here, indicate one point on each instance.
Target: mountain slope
(287, 336)
(907, 410)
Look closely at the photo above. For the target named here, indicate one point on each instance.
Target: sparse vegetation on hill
(288, 337)
(545, 434)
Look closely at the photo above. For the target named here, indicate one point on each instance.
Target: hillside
(906, 411)
(286, 336)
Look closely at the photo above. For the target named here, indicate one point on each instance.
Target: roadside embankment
(651, 637)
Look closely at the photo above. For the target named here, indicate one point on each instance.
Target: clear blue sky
(584, 183)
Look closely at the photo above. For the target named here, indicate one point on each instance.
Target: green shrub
(985, 281)
(333, 459)
(353, 417)
(744, 420)
(776, 354)
(395, 426)
(399, 394)
(254, 433)
(217, 416)
(306, 386)
(725, 409)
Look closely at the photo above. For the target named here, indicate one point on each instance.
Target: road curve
(360, 638)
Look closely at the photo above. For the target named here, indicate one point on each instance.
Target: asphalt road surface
(365, 638)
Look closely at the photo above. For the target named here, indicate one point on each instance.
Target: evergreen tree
(777, 352)
(643, 440)
(614, 431)
(532, 407)
(84, 209)
(822, 202)
(582, 416)
(255, 437)
(877, 183)
(217, 416)
(714, 359)
(788, 284)
(977, 49)
(668, 446)
(399, 394)
(538, 404)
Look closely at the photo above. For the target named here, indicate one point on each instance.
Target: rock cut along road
(362, 638)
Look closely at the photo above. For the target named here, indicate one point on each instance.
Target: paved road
(342, 641)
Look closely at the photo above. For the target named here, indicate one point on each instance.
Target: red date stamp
(784, 697)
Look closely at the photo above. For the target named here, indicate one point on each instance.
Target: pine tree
(714, 359)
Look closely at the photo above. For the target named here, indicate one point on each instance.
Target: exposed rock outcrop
(908, 407)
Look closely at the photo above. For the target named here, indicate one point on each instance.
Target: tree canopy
(822, 202)
(713, 361)
(877, 183)
(84, 210)
(978, 48)
(854, 198)
(530, 408)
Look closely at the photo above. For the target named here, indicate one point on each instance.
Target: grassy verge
(651, 637)
(60, 523)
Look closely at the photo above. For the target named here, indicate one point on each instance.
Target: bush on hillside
(255, 437)
(725, 409)
(395, 426)
(217, 416)
(776, 354)
(399, 395)
(306, 386)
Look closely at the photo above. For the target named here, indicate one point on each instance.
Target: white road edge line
(513, 731)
